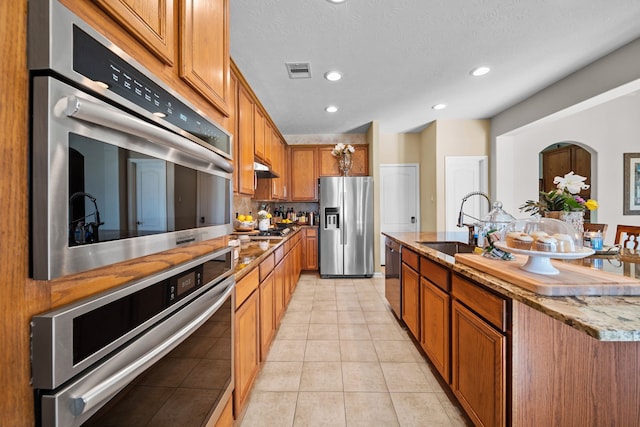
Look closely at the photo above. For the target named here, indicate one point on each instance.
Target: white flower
(341, 149)
(571, 182)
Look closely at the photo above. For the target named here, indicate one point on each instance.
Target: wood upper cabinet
(328, 164)
(258, 132)
(274, 188)
(233, 127)
(151, 22)
(244, 139)
(304, 175)
(202, 32)
(268, 144)
(204, 53)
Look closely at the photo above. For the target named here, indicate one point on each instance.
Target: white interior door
(399, 199)
(151, 194)
(464, 174)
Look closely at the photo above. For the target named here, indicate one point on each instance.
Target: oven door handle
(92, 112)
(107, 388)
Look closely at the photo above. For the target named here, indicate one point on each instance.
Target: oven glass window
(184, 387)
(117, 193)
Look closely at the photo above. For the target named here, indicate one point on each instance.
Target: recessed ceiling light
(333, 76)
(336, 1)
(439, 106)
(480, 71)
(331, 109)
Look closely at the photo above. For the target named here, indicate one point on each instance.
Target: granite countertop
(254, 251)
(606, 318)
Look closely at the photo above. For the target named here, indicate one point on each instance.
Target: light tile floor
(340, 358)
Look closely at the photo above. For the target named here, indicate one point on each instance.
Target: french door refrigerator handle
(92, 112)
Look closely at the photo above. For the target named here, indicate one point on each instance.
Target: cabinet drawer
(489, 306)
(311, 232)
(279, 254)
(411, 258)
(435, 273)
(266, 266)
(246, 286)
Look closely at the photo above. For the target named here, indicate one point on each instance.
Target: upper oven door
(109, 186)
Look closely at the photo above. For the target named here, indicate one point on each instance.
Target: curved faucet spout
(462, 214)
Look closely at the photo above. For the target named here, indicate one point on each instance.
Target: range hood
(263, 171)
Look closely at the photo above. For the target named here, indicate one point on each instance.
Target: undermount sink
(450, 248)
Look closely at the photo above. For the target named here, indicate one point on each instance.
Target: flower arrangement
(341, 149)
(564, 198)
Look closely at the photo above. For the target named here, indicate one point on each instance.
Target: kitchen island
(547, 361)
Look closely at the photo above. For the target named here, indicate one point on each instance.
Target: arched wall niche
(607, 130)
(560, 158)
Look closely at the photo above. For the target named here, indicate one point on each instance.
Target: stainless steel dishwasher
(392, 288)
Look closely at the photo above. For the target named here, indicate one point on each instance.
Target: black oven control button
(172, 292)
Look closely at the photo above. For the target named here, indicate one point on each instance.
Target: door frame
(416, 166)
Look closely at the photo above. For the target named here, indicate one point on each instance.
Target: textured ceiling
(400, 57)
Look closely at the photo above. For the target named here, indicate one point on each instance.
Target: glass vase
(345, 163)
(575, 218)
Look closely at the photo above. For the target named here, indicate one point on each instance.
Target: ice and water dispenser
(331, 218)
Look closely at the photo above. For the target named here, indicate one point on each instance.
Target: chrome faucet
(462, 214)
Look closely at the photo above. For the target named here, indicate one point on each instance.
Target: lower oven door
(179, 373)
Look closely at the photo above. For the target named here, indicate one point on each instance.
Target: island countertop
(605, 318)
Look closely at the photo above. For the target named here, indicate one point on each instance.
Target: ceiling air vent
(299, 70)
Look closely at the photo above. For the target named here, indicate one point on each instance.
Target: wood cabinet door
(268, 148)
(411, 299)
(478, 366)
(247, 349)
(204, 53)
(434, 312)
(278, 292)
(277, 162)
(245, 143)
(280, 152)
(328, 164)
(310, 249)
(258, 133)
(304, 176)
(267, 313)
(151, 22)
(233, 127)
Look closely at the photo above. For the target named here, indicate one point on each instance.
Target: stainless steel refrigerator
(346, 226)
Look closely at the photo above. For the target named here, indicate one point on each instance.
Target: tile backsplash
(245, 204)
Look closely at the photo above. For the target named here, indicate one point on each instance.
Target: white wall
(609, 129)
(573, 109)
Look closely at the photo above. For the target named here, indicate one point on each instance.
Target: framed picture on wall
(632, 183)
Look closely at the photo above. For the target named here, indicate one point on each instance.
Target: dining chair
(628, 236)
(591, 226)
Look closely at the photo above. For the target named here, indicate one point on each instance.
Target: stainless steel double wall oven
(122, 166)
